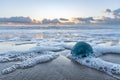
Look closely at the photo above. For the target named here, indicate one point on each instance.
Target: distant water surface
(95, 35)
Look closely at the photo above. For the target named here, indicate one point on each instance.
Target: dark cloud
(45, 21)
(107, 10)
(114, 19)
(107, 20)
(16, 20)
(116, 13)
(48, 21)
(64, 19)
(83, 20)
(55, 21)
(86, 19)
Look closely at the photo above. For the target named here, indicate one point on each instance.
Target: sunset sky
(40, 9)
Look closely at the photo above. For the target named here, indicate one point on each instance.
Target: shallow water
(27, 37)
(11, 46)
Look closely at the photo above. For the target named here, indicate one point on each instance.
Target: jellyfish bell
(82, 49)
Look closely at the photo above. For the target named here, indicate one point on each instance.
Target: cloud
(48, 21)
(16, 20)
(114, 19)
(116, 13)
(107, 10)
(64, 19)
(45, 21)
(55, 21)
(82, 20)
(107, 20)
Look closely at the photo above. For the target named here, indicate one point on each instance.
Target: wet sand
(58, 69)
(115, 58)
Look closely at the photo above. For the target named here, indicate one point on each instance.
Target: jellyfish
(81, 50)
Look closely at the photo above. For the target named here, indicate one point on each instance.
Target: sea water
(24, 37)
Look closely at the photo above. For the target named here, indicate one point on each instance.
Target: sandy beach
(59, 69)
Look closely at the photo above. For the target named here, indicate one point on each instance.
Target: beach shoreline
(59, 69)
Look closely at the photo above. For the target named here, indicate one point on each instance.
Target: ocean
(31, 35)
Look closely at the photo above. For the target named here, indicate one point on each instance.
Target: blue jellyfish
(81, 50)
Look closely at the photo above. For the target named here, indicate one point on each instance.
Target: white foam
(96, 63)
(100, 50)
(30, 63)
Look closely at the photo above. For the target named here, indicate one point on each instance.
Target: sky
(39, 9)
